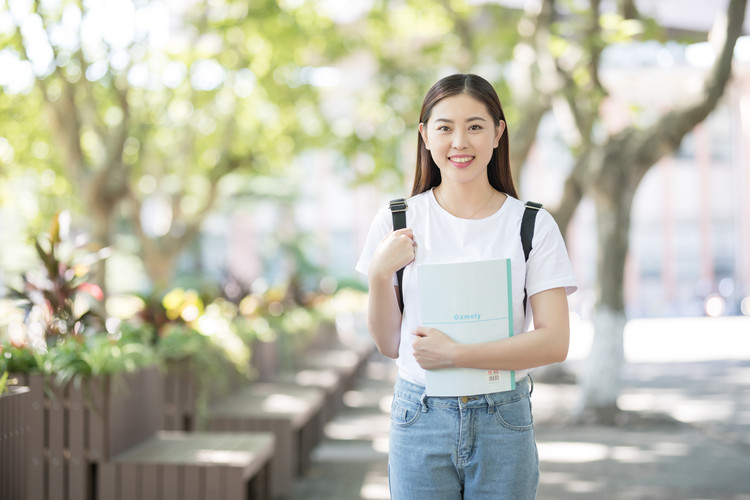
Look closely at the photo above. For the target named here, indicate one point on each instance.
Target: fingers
(420, 331)
(407, 231)
(406, 234)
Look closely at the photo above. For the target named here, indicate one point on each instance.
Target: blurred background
(181, 153)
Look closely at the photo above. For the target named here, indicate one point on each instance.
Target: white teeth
(461, 159)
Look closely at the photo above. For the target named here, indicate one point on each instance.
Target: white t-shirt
(443, 238)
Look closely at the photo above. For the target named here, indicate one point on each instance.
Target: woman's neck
(469, 201)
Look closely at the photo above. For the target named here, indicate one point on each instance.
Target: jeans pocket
(404, 412)
(515, 414)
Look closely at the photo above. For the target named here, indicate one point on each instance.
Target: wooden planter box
(265, 360)
(14, 434)
(180, 409)
(180, 398)
(76, 427)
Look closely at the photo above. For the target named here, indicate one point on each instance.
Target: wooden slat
(97, 412)
(214, 483)
(170, 413)
(107, 484)
(77, 465)
(194, 481)
(130, 482)
(37, 465)
(235, 486)
(172, 482)
(150, 482)
(56, 444)
(188, 404)
(7, 450)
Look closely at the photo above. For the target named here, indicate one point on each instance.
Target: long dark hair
(427, 174)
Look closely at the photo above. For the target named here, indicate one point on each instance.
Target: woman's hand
(395, 251)
(433, 349)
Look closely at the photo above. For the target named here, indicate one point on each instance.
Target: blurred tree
(609, 171)
(153, 107)
(404, 47)
(546, 60)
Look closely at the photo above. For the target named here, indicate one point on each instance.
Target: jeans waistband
(409, 390)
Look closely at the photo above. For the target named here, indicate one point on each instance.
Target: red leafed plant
(50, 298)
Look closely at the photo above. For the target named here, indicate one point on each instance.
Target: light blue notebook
(471, 302)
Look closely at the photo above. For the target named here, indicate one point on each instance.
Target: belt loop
(423, 400)
(490, 404)
(531, 381)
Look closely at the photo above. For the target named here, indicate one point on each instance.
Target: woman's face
(461, 135)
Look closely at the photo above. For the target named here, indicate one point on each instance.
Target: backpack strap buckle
(534, 205)
(398, 205)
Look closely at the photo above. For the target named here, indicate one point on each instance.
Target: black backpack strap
(398, 211)
(527, 234)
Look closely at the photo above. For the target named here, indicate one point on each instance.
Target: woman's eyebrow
(472, 119)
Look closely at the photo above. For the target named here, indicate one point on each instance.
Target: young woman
(464, 207)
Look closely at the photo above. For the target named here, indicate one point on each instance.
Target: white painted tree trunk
(600, 381)
(601, 377)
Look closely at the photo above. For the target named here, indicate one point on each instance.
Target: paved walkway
(701, 453)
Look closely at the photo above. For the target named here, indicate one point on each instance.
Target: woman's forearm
(383, 315)
(546, 344)
(539, 347)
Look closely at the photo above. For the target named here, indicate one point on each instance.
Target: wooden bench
(332, 366)
(327, 380)
(290, 412)
(184, 466)
(76, 432)
(347, 361)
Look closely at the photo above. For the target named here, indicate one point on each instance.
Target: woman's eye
(443, 128)
(475, 127)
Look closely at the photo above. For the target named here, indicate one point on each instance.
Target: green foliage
(52, 297)
(3, 383)
(163, 113)
(86, 355)
(20, 359)
(96, 355)
(56, 323)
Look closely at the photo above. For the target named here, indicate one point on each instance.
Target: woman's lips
(461, 161)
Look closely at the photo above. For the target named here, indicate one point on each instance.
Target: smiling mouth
(461, 161)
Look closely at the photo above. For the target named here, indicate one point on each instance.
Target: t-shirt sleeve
(382, 224)
(548, 265)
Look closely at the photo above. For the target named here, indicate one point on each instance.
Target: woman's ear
(499, 131)
(423, 133)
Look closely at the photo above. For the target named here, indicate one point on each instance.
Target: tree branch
(63, 112)
(666, 134)
(540, 77)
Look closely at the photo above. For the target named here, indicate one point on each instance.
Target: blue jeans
(473, 447)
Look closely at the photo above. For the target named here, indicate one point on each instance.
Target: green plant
(57, 298)
(56, 323)
(3, 383)
(20, 359)
(98, 355)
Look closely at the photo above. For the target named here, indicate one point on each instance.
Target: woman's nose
(459, 140)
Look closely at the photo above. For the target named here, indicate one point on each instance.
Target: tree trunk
(159, 267)
(612, 174)
(602, 370)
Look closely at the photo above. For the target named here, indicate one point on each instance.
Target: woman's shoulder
(419, 199)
